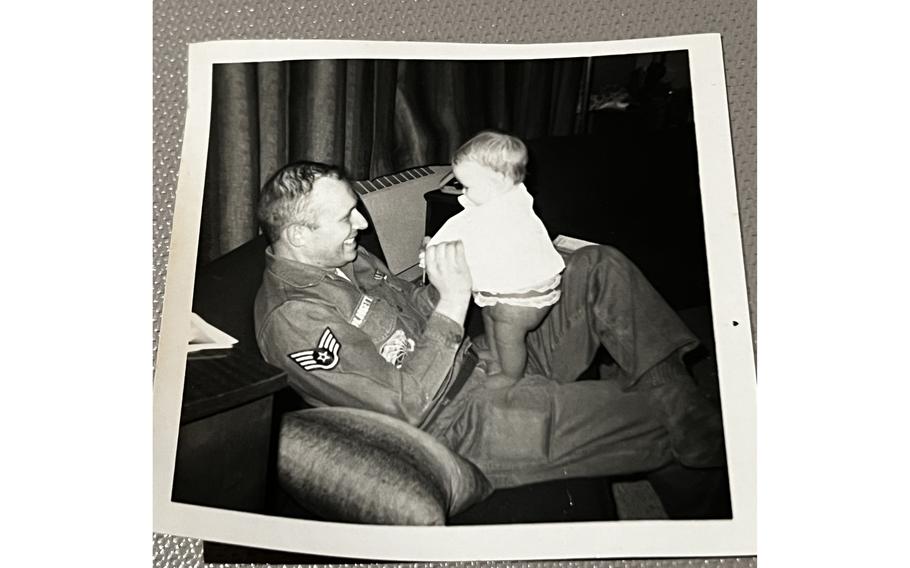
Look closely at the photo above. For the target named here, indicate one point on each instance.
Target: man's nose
(360, 222)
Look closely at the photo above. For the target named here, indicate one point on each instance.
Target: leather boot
(692, 421)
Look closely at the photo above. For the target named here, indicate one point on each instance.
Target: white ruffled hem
(548, 295)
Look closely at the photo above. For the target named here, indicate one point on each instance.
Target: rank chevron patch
(324, 356)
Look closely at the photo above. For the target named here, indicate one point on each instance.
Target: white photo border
(626, 539)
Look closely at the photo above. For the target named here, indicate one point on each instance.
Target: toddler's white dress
(511, 257)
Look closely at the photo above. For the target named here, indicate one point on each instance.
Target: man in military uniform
(349, 333)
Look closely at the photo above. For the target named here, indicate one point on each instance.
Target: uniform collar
(296, 273)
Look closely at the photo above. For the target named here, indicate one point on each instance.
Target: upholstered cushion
(358, 466)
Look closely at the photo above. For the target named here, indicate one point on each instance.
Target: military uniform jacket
(370, 340)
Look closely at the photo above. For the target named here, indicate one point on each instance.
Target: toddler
(514, 266)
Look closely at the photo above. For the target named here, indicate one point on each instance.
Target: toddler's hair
(500, 152)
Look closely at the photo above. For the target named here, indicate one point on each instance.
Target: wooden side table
(226, 423)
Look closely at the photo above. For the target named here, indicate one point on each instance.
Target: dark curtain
(372, 117)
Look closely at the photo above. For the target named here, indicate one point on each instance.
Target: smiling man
(326, 305)
(349, 333)
(319, 230)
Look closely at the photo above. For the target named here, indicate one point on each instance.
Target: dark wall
(638, 191)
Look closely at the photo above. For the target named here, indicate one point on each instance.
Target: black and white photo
(572, 374)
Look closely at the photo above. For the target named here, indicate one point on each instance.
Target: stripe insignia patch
(324, 356)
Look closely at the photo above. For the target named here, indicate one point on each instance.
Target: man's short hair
(498, 151)
(283, 199)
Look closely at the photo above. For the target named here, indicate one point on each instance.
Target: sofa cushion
(354, 465)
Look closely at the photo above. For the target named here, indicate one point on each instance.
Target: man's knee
(593, 256)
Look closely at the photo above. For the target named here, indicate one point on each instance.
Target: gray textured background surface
(180, 22)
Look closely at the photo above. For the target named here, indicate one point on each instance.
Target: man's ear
(297, 234)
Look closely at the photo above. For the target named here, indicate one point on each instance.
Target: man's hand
(422, 259)
(422, 254)
(448, 270)
(449, 273)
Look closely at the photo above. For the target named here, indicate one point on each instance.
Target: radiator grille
(383, 182)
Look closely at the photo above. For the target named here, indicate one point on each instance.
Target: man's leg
(538, 430)
(607, 301)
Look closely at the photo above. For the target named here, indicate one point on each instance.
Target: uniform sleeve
(355, 374)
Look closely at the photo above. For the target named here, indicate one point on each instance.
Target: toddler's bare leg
(511, 348)
(511, 325)
(490, 331)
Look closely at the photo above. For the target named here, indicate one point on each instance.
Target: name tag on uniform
(360, 313)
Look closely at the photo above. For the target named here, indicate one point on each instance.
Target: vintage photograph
(457, 290)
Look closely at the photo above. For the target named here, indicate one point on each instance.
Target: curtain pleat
(384, 144)
(566, 86)
(273, 118)
(316, 102)
(232, 175)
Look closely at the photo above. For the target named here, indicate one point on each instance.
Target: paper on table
(204, 335)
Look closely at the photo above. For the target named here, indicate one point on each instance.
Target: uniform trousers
(550, 425)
